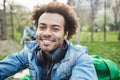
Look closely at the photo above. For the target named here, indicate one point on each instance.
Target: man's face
(50, 31)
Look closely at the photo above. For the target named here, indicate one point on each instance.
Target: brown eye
(42, 27)
(55, 29)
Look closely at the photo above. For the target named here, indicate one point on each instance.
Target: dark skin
(50, 31)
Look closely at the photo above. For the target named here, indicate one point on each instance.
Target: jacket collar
(31, 45)
(67, 56)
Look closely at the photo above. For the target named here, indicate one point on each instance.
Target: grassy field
(109, 49)
(98, 36)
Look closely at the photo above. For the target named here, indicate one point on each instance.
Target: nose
(47, 32)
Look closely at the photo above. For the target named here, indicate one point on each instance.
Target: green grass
(2, 56)
(18, 38)
(98, 36)
(108, 50)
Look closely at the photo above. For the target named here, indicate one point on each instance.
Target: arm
(12, 64)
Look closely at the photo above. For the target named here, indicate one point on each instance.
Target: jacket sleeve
(84, 68)
(12, 64)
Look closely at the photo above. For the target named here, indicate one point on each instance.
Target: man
(51, 56)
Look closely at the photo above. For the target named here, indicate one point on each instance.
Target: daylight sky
(31, 3)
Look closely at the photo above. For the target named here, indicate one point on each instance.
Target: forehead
(51, 18)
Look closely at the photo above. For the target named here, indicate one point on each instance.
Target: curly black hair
(71, 20)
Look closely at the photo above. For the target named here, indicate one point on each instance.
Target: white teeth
(47, 41)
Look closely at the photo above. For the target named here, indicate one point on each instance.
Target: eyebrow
(56, 25)
(41, 24)
(51, 25)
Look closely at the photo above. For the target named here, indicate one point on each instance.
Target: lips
(47, 41)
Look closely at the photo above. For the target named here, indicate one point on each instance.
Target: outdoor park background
(99, 27)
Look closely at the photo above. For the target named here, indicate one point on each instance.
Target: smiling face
(50, 31)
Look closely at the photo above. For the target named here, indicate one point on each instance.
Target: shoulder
(78, 49)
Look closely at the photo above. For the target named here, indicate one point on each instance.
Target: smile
(47, 41)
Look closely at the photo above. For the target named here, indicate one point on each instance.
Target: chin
(46, 49)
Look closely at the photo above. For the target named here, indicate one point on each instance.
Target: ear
(66, 35)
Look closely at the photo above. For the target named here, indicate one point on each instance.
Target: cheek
(38, 33)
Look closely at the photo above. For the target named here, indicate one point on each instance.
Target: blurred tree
(94, 5)
(17, 18)
(92, 15)
(12, 21)
(116, 11)
(104, 25)
(3, 32)
(75, 5)
(21, 17)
